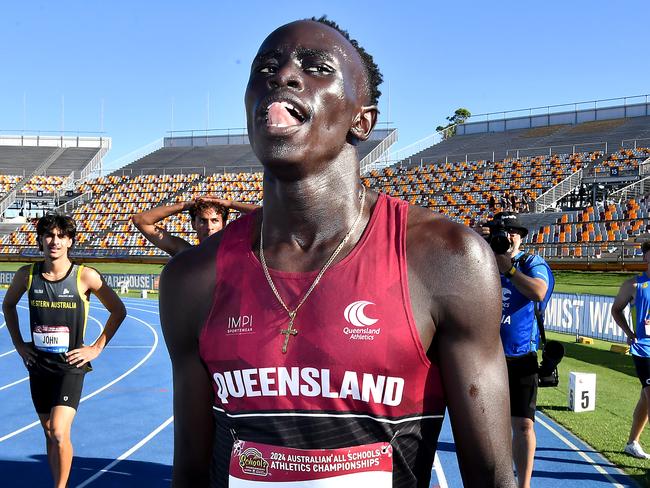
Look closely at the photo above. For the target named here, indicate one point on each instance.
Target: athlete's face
(305, 91)
(55, 244)
(207, 223)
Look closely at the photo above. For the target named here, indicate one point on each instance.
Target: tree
(449, 130)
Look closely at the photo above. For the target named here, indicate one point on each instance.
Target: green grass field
(117, 268)
(617, 387)
(589, 282)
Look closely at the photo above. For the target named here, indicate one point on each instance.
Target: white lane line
(99, 324)
(154, 311)
(580, 452)
(5, 323)
(442, 480)
(7, 353)
(126, 454)
(108, 385)
(4, 387)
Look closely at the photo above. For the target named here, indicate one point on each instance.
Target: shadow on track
(127, 474)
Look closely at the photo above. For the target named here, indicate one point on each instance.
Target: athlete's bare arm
(92, 282)
(159, 237)
(233, 204)
(456, 301)
(625, 295)
(15, 292)
(187, 287)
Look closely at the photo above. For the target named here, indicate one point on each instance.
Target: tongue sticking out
(279, 116)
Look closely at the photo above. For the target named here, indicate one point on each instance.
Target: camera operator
(525, 280)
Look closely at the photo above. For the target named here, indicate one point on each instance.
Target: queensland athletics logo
(355, 314)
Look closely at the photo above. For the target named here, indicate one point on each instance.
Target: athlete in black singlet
(56, 356)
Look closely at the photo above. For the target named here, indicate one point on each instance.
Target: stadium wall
(571, 117)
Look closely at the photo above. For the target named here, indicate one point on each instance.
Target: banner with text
(584, 315)
(130, 281)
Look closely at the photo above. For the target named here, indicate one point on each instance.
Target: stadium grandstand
(579, 176)
(187, 165)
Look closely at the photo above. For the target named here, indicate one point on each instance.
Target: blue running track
(123, 432)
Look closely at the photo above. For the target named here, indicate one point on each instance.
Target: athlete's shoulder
(194, 261)
(24, 272)
(88, 272)
(429, 232)
(90, 278)
(26, 269)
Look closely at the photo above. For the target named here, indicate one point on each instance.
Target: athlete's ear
(364, 122)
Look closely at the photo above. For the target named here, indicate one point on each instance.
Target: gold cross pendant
(288, 332)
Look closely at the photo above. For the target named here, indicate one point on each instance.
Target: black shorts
(522, 379)
(642, 366)
(52, 390)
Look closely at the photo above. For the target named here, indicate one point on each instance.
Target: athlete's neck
(305, 219)
(56, 268)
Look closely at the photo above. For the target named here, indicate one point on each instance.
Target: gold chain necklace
(290, 331)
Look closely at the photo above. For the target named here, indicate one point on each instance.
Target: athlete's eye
(319, 68)
(267, 69)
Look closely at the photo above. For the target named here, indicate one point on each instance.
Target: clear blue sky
(63, 60)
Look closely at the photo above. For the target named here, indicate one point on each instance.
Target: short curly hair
(202, 205)
(374, 77)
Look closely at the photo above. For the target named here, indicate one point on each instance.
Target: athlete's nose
(286, 75)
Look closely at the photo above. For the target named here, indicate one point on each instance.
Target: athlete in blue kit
(56, 357)
(636, 292)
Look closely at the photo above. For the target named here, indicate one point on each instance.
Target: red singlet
(356, 372)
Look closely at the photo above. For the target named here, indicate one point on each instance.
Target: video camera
(552, 354)
(498, 237)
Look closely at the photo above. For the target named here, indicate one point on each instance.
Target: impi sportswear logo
(355, 314)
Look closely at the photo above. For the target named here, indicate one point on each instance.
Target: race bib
(646, 324)
(51, 338)
(254, 465)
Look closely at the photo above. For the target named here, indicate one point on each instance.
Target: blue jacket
(519, 331)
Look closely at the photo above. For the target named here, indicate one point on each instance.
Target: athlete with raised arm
(208, 215)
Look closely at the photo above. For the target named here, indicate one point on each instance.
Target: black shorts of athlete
(522, 379)
(642, 366)
(52, 390)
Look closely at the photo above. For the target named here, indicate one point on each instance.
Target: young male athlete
(311, 346)
(636, 292)
(56, 356)
(208, 215)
